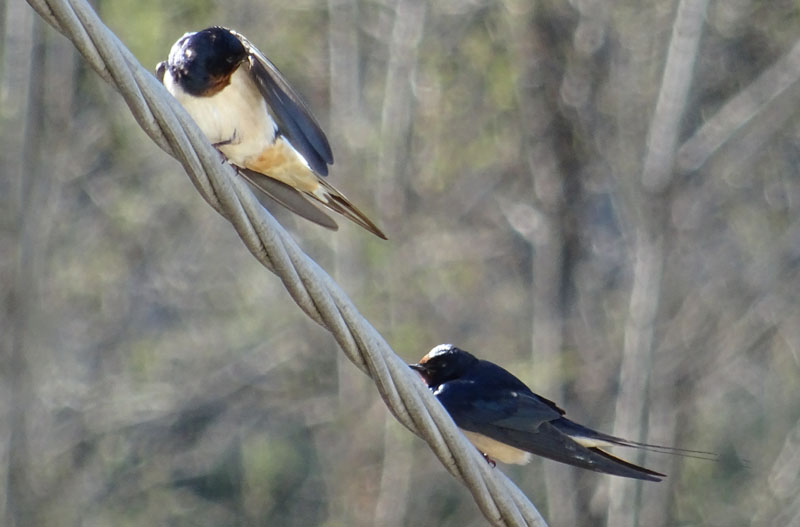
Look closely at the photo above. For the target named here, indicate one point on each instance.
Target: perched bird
(254, 117)
(506, 421)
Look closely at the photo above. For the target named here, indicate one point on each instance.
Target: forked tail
(588, 437)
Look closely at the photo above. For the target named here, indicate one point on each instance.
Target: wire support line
(314, 291)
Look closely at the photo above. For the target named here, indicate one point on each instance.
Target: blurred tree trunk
(23, 94)
(650, 204)
(397, 113)
(546, 234)
(344, 485)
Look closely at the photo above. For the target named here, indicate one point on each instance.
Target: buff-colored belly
(282, 162)
(497, 450)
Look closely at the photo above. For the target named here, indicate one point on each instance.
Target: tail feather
(618, 464)
(661, 449)
(551, 442)
(289, 197)
(587, 436)
(338, 202)
(286, 175)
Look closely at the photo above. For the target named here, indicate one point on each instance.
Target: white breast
(237, 114)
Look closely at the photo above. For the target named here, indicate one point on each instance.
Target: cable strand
(171, 128)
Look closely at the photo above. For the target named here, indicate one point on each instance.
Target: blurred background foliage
(152, 373)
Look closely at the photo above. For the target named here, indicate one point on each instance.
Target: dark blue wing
(551, 442)
(293, 117)
(482, 408)
(526, 421)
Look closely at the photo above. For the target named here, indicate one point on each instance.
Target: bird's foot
(218, 145)
(234, 140)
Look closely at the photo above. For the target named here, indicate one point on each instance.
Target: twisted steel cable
(168, 124)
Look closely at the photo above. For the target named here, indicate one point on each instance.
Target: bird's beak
(422, 370)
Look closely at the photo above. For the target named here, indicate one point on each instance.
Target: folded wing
(294, 119)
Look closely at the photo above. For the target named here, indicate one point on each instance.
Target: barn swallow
(253, 116)
(506, 421)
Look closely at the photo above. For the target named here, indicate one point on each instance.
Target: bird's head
(444, 363)
(202, 63)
